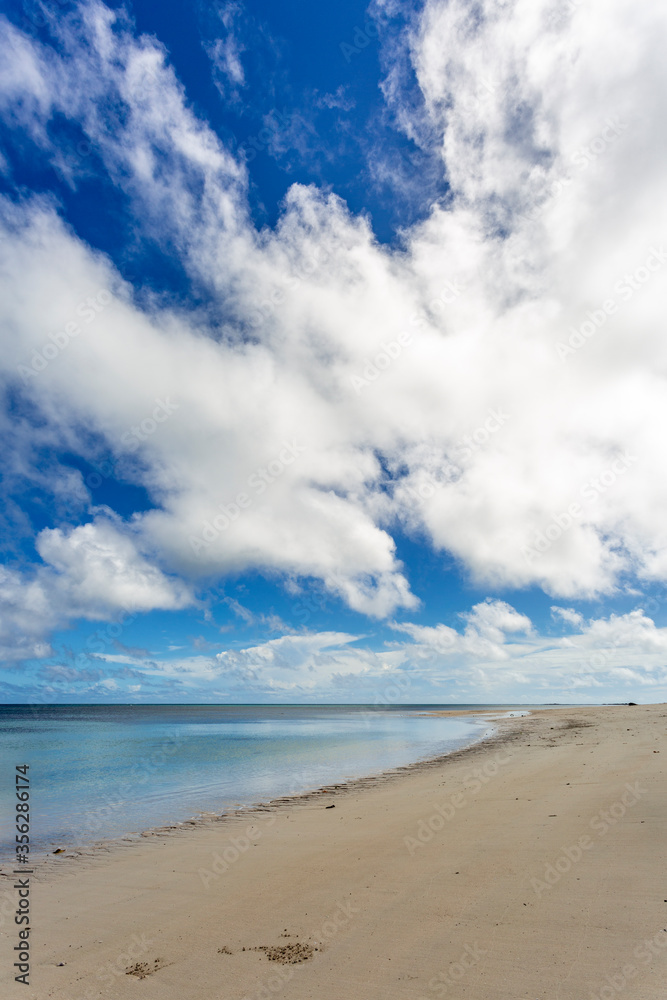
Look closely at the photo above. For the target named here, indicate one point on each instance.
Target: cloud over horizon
(496, 648)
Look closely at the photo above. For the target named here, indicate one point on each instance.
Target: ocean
(99, 772)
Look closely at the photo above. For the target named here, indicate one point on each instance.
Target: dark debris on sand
(287, 954)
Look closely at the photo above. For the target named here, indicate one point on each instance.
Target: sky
(333, 356)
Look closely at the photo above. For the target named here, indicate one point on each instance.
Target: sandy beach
(531, 865)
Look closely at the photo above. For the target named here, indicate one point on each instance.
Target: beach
(529, 865)
(103, 772)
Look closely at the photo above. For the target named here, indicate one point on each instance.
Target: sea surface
(106, 771)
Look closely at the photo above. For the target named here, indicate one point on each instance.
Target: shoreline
(106, 844)
(527, 864)
(48, 862)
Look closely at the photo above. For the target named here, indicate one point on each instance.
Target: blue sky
(332, 366)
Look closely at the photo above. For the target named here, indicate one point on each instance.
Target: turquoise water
(103, 771)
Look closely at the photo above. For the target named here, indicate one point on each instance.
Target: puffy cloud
(568, 615)
(633, 631)
(484, 634)
(336, 390)
(485, 659)
(249, 465)
(26, 617)
(492, 619)
(92, 572)
(101, 570)
(440, 638)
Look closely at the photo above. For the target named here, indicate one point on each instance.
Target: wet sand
(531, 865)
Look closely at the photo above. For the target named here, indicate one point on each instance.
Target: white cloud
(92, 572)
(225, 53)
(484, 635)
(568, 615)
(26, 617)
(484, 660)
(338, 99)
(534, 241)
(303, 664)
(492, 619)
(294, 662)
(101, 570)
(633, 631)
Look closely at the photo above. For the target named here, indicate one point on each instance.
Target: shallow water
(101, 771)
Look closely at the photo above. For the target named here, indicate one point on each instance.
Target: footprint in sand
(143, 969)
